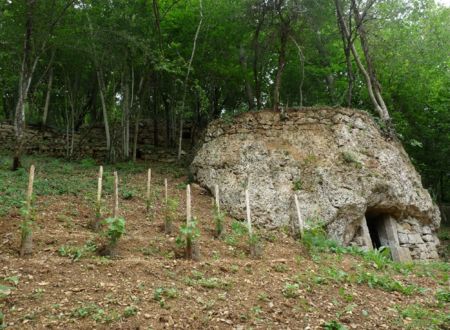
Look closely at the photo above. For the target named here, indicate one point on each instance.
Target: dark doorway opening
(375, 224)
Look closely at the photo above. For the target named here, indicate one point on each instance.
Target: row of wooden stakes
(26, 243)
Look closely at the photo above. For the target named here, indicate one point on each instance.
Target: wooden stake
(149, 181)
(116, 195)
(26, 244)
(166, 194)
(99, 186)
(216, 193)
(95, 223)
(299, 216)
(30, 188)
(249, 220)
(188, 205)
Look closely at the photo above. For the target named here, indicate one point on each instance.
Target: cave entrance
(376, 223)
(381, 231)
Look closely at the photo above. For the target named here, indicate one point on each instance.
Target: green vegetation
(291, 290)
(297, 185)
(219, 218)
(189, 233)
(76, 253)
(162, 294)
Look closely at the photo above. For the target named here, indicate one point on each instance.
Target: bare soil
(150, 286)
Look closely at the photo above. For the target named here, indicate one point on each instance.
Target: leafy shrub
(115, 230)
(187, 238)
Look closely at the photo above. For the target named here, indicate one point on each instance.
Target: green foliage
(76, 253)
(334, 325)
(115, 229)
(291, 290)
(161, 294)
(130, 311)
(443, 295)
(5, 290)
(198, 279)
(188, 234)
(88, 163)
(297, 185)
(386, 283)
(423, 318)
(219, 218)
(128, 194)
(379, 258)
(315, 239)
(2, 321)
(171, 209)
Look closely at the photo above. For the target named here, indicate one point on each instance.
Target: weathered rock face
(337, 162)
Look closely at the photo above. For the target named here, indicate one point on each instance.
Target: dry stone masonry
(90, 141)
(345, 173)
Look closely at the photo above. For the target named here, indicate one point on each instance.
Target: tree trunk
(281, 65)
(248, 87)
(382, 112)
(101, 86)
(26, 74)
(47, 98)
(126, 121)
(180, 140)
(359, 20)
(302, 70)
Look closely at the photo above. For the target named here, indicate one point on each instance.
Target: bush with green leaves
(189, 233)
(114, 231)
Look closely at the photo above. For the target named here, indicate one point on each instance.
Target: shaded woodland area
(71, 64)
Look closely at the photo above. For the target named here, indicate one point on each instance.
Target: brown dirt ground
(247, 294)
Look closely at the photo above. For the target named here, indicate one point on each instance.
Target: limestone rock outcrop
(343, 170)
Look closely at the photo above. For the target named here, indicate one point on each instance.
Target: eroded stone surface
(335, 160)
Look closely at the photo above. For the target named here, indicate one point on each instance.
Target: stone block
(426, 230)
(403, 238)
(428, 238)
(401, 254)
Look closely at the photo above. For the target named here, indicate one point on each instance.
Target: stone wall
(336, 161)
(90, 141)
